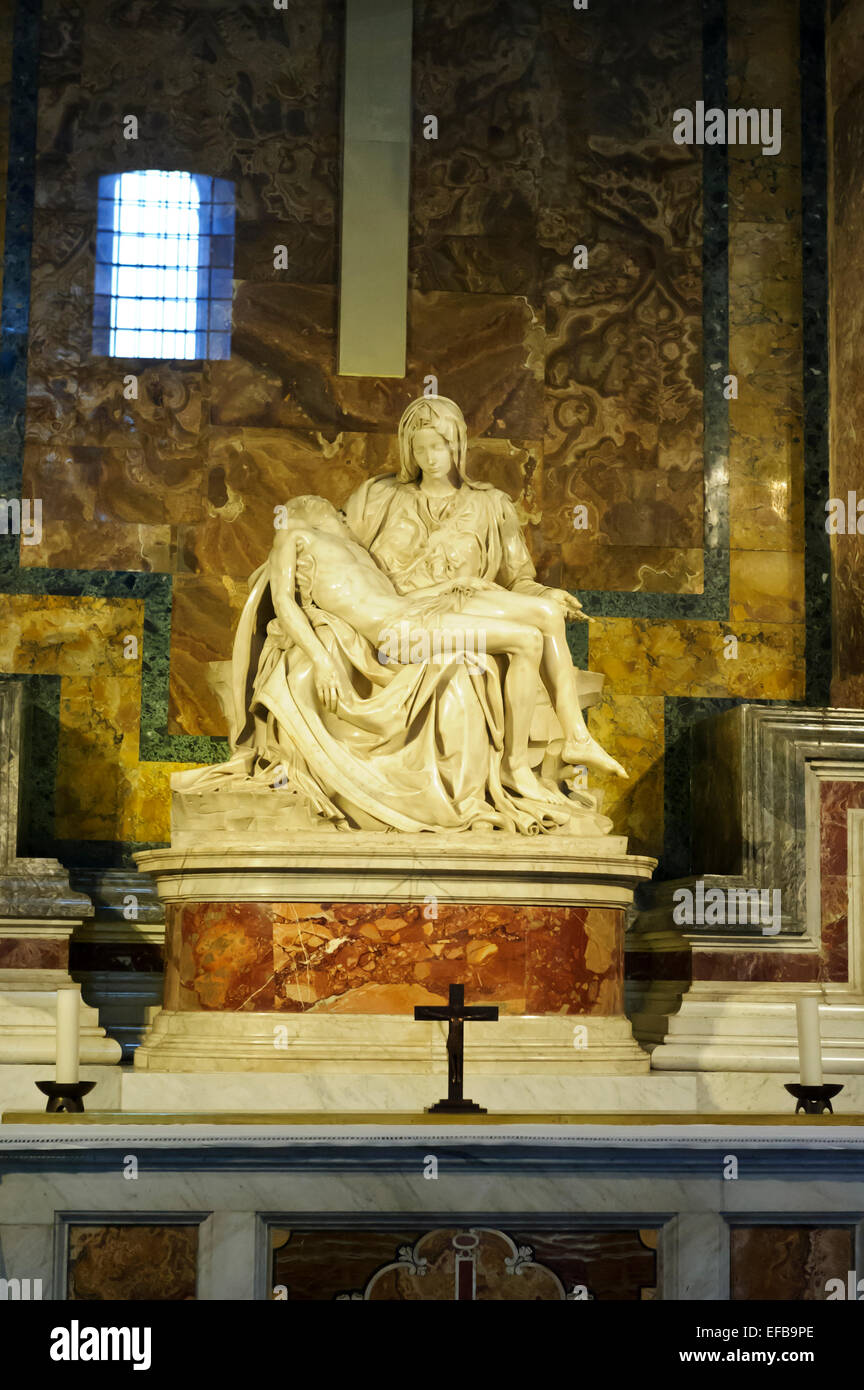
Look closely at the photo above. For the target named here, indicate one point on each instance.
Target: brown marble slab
(34, 953)
(151, 1262)
(788, 1263)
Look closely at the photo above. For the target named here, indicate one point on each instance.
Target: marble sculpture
(399, 668)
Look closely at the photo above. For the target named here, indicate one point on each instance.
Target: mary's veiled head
(438, 413)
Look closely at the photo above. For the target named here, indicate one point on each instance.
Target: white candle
(809, 1040)
(68, 1010)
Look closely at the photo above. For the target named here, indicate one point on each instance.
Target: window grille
(164, 264)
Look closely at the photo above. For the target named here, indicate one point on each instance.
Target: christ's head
(310, 510)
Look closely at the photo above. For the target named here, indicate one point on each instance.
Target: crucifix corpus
(455, 1013)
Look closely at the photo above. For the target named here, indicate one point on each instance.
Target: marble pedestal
(312, 957)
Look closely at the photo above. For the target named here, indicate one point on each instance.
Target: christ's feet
(521, 779)
(586, 752)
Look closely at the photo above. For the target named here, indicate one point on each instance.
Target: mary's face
(433, 455)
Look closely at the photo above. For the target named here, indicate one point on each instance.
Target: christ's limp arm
(292, 619)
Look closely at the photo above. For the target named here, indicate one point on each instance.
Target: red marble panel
(837, 798)
(757, 966)
(384, 958)
(574, 962)
(226, 956)
(34, 953)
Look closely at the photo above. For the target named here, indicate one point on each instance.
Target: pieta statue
(397, 666)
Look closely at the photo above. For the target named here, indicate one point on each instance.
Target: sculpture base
(321, 1045)
(316, 954)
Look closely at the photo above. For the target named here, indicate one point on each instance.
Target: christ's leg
(556, 669)
(523, 646)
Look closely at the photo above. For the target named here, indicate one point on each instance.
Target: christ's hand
(328, 682)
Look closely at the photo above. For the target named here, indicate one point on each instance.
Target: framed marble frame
(817, 772)
(805, 1218)
(658, 1221)
(756, 762)
(65, 1220)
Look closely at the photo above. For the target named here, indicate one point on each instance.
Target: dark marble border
(783, 1157)
(15, 319)
(814, 256)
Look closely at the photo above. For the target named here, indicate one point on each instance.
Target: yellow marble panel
(97, 753)
(631, 727)
(639, 657)
(58, 636)
(145, 808)
(766, 586)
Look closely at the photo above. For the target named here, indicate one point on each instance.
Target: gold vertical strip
(766, 460)
(376, 168)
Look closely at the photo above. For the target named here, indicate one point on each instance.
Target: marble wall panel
(476, 69)
(385, 958)
(652, 658)
(623, 361)
(830, 964)
(487, 349)
(632, 726)
(319, 1265)
(152, 1262)
(34, 953)
(836, 800)
(788, 1263)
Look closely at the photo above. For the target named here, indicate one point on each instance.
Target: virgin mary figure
(432, 522)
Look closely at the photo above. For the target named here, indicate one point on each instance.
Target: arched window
(164, 260)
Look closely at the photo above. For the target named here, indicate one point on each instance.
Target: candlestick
(809, 1040)
(68, 1045)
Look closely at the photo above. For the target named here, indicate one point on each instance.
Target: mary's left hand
(572, 607)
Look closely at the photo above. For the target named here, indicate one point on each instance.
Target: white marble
(28, 1030)
(365, 867)
(688, 1093)
(324, 1044)
(753, 1029)
(18, 1086)
(26, 1252)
